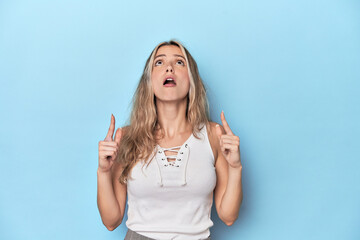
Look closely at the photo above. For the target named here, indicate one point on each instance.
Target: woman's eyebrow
(163, 55)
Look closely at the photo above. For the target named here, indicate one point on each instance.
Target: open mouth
(169, 81)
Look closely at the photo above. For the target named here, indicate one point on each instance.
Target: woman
(171, 158)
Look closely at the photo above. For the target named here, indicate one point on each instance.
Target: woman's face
(169, 63)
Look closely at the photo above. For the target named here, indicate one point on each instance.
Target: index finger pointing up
(109, 136)
(225, 124)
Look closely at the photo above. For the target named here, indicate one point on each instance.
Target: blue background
(286, 74)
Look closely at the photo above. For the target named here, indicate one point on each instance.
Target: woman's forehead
(169, 50)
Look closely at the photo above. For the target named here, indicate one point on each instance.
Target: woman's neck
(172, 118)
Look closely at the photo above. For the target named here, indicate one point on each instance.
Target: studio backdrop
(286, 74)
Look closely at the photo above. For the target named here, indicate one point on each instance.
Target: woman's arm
(111, 197)
(228, 191)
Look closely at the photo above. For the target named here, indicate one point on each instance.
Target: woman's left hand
(229, 143)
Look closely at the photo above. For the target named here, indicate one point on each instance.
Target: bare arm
(228, 191)
(111, 195)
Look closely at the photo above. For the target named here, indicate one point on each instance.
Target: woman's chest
(191, 171)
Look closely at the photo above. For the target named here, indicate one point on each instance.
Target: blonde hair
(138, 141)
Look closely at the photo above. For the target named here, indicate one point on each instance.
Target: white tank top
(173, 200)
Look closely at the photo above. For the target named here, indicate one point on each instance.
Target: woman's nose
(169, 68)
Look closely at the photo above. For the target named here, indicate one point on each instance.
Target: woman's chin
(171, 99)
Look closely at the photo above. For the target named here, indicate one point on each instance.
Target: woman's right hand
(109, 148)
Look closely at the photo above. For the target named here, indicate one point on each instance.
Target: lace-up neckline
(174, 156)
(178, 154)
(177, 168)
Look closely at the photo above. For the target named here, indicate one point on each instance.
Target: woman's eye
(180, 62)
(158, 62)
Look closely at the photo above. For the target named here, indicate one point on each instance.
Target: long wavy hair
(139, 140)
